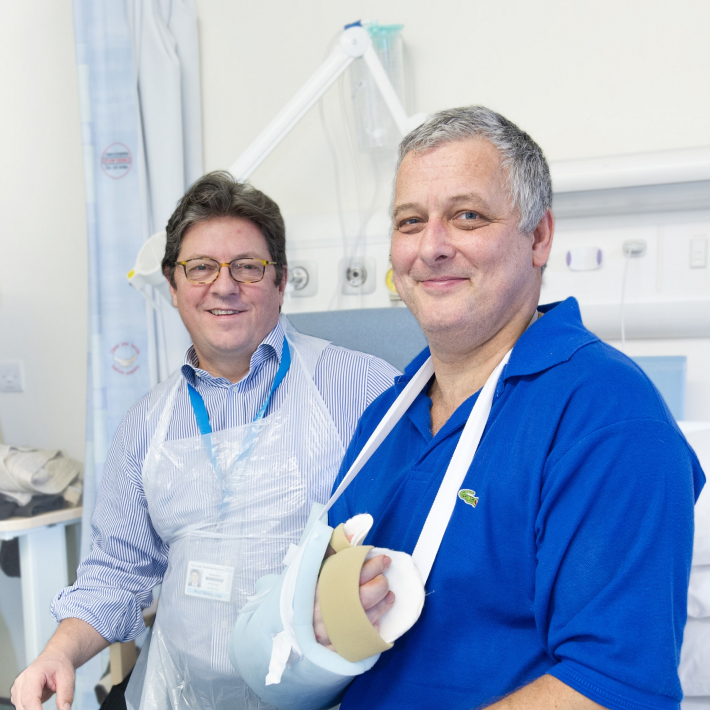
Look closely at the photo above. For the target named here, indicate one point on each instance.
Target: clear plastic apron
(228, 504)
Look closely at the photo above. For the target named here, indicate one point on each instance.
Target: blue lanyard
(198, 404)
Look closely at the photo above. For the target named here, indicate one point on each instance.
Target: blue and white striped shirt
(128, 557)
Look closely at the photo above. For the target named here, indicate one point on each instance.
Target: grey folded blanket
(25, 472)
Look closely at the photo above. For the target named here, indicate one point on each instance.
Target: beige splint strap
(349, 629)
(338, 541)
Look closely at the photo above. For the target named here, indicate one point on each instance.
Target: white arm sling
(440, 513)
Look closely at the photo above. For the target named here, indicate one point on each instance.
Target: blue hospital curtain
(138, 70)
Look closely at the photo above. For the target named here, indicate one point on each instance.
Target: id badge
(209, 581)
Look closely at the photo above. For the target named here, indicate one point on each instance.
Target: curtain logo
(116, 161)
(124, 358)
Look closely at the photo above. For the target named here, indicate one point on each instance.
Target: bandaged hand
(375, 596)
(366, 596)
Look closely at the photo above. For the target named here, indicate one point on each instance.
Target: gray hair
(218, 194)
(528, 180)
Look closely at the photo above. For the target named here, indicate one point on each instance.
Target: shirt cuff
(607, 692)
(116, 616)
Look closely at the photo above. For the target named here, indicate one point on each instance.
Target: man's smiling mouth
(435, 279)
(222, 312)
(441, 280)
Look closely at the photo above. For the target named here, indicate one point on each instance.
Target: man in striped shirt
(226, 264)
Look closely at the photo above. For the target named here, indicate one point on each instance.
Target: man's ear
(542, 239)
(282, 285)
(173, 292)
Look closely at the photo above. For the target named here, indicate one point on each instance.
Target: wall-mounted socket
(699, 252)
(302, 278)
(391, 288)
(634, 248)
(587, 258)
(357, 275)
(12, 377)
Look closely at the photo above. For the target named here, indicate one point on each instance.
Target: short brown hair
(218, 194)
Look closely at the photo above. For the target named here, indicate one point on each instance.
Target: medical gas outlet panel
(327, 272)
(654, 278)
(654, 271)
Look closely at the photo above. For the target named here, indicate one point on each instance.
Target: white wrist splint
(316, 675)
(345, 620)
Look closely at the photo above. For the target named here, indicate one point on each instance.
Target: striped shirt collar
(270, 347)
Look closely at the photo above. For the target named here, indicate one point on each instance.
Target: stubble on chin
(438, 318)
(453, 323)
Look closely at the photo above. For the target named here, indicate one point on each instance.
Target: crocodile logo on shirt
(468, 496)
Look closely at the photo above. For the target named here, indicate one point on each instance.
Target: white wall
(12, 641)
(43, 273)
(584, 79)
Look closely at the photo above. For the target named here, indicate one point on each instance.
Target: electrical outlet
(358, 275)
(302, 278)
(11, 376)
(634, 248)
(698, 252)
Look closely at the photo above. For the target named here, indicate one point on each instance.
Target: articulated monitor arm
(353, 44)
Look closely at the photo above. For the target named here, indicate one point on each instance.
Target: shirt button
(224, 624)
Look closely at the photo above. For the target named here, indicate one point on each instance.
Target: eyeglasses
(206, 271)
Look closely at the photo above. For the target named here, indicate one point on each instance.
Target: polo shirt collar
(550, 341)
(271, 346)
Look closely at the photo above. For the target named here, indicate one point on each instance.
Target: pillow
(694, 670)
(699, 592)
(700, 441)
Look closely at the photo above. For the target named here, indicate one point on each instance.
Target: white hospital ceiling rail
(670, 166)
(659, 181)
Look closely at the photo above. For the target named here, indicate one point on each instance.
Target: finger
(31, 696)
(373, 567)
(373, 592)
(65, 691)
(15, 693)
(375, 613)
(319, 629)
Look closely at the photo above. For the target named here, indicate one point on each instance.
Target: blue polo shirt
(575, 560)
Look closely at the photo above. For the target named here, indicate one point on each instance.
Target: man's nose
(435, 244)
(224, 284)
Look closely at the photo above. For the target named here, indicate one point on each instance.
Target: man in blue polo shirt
(561, 580)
